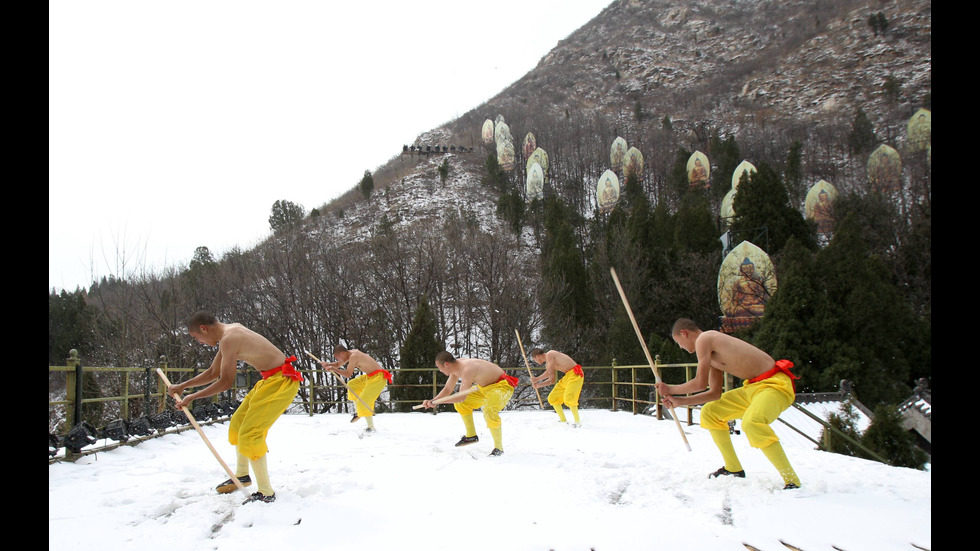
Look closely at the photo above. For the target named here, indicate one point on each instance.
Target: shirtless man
(767, 391)
(568, 388)
(493, 390)
(367, 386)
(271, 396)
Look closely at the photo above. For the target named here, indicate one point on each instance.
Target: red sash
(512, 381)
(782, 366)
(386, 374)
(287, 370)
(578, 370)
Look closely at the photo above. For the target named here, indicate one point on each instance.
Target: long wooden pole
(205, 438)
(523, 355)
(371, 409)
(646, 351)
(450, 397)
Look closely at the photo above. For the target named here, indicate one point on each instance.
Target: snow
(618, 482)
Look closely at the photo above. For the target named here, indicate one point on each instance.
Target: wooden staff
(646, 351)
(201, 432)
(450, 397)
(523, 355)
(345, 384)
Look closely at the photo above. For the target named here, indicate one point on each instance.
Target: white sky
(178, 124)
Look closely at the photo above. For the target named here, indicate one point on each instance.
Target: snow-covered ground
(619, 482)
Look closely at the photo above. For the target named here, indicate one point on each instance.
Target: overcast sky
(178, 124)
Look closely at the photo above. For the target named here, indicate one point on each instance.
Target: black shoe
(354, 418)
(791, 486)
(259, 496)
(723, 471)
(467, 440)
(496, 452)
(230, 486)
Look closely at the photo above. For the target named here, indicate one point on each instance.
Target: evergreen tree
(566, 295)
(695, 229)
(632, 191)
(845, 422)
(444, 171)
(71, 323)
(792, 322)
(761, 201)
(417, 352)
(862, 138)
(285, 215)
(866, 327)
(678, 178)
(511, 208)
(725, 155)
(794, 173)
(888, 438)
(366, 184)
(496, 177)
(202, 257)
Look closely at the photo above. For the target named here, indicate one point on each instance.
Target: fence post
(633, 384)
(125, 406)
(612, 368)
(660, 414)
(690, 414)
(147, 383)
(161, 386)
(73, 389)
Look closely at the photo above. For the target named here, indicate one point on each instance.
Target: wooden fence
(140, 393)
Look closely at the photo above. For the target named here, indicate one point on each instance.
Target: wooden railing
(140, 391)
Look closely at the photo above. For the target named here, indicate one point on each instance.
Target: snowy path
(620, 482)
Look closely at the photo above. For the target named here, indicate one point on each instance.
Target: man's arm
(352, 363)
(465, 382)
(716, 381)
(548, 376)
(211, 373)
(446, 391)
(222, 368)
(703, 348)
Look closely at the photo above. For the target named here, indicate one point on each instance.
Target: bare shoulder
(560, 360)
(712, 338)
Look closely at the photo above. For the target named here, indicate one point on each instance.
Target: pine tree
(862, 137)
(792, 322)
(566, 294)
(866, 326)
(762, 201)
(888, 438)
(845, 422)
(695, 229)
(417, 352)
(794, 173)
(285, 215)
(725, 155)
(71, 323)
(366, 184)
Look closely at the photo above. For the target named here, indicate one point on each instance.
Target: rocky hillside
(725, 62)
(712, 68)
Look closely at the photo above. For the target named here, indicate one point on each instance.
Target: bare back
(363, 362)
(560, 361)
(731, 355)
(241, 343)
(479, 372)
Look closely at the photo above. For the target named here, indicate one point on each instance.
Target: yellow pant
(369, 388)
(757, 405)
(251, 422)
(567, 390)
(491, 398)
